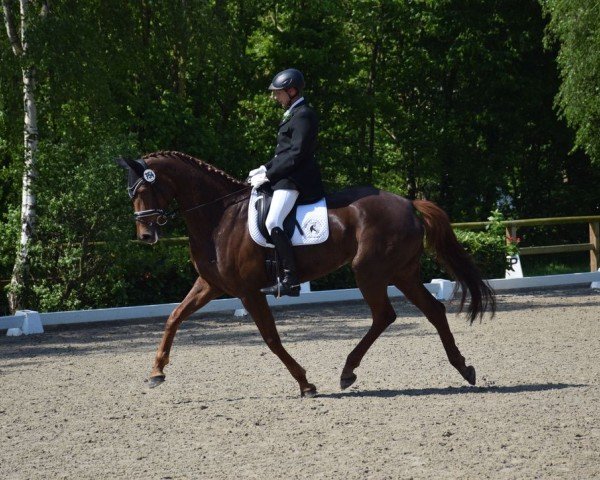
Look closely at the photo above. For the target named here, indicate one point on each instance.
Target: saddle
(304, 225)
(307, 224)
(262, 205)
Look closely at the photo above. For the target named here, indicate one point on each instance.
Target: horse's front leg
(200, 294)
(259, 309)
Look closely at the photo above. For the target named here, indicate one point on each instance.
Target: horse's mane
(194, 162)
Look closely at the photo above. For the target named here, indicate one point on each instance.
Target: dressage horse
(380, 234)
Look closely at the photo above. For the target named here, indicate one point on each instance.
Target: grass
(555, 264)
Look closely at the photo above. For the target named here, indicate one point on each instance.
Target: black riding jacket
(294, 165)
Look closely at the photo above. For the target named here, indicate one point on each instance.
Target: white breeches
(282, 203)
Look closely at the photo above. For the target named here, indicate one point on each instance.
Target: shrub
(76, 273)
(488, 248)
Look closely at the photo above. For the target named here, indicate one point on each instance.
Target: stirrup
(280, 289)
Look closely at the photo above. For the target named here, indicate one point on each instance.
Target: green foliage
(158, 274)
(488, 248)
(448, 100)
(575, 28)
(67, 273)
(555, 264)
(112, 274)
(341, 278)
(83, 255)
(9, 239)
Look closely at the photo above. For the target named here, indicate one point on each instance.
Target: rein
(218, 200)
(163, 217)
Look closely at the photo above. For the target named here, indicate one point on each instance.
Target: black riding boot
(289, 284)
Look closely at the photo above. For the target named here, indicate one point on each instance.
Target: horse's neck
(198, 186)
(204, 198)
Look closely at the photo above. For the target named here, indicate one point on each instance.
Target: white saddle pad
(311, 218)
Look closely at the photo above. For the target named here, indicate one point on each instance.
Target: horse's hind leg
(435, 311)
(383, 315)
(200, 294)
(260, 311)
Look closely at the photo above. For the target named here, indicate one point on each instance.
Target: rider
(293, 171)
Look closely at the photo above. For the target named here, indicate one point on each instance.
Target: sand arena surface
(74, 403)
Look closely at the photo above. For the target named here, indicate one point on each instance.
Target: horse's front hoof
(308, 392)
(345, 382)
(469, 375)
(156, 381)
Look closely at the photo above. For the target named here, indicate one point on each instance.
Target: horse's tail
(440, 238)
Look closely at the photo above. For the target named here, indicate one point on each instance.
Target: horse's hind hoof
(345, 382)
(469, 375)
(310, 392)
(156, 381)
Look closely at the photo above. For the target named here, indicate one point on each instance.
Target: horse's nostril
(146, 237)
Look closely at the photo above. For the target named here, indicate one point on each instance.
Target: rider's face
(282, 97)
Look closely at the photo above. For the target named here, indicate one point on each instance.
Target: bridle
(162, 217)
(148, 177)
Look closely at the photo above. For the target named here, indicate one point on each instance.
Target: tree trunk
(371, 95)
(20, 276)
(411, 176)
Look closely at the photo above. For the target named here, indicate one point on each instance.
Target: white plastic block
(517, 270)
(32, 323)
(445, 288)
(305, 287)
(596, 285)
(14, 332)
(240, 312)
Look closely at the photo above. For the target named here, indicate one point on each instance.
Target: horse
(380, 234)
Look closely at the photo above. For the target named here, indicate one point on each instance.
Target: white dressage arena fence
(31, 322)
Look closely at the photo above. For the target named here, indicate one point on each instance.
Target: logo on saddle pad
(311, 226)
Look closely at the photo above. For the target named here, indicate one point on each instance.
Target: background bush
(450, 101)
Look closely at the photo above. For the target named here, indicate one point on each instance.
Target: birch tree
(19, 40)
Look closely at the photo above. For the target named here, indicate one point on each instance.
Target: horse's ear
(121, 162)
(126, 162)
(137, 167)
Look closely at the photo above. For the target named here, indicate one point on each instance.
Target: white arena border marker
(33, 322)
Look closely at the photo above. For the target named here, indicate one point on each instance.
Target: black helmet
(287, 79)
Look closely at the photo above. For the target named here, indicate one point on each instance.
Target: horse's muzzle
(149, 236)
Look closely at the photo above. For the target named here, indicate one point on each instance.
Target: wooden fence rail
(593, 246)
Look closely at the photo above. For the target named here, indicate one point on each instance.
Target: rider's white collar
(289, 110)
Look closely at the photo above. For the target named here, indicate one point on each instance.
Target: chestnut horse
(379, 233)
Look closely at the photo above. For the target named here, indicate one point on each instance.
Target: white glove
(258, 179)
(256, 171)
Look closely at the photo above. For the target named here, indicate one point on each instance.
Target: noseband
(162, 217)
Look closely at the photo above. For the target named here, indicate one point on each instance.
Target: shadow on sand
(418, 392)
